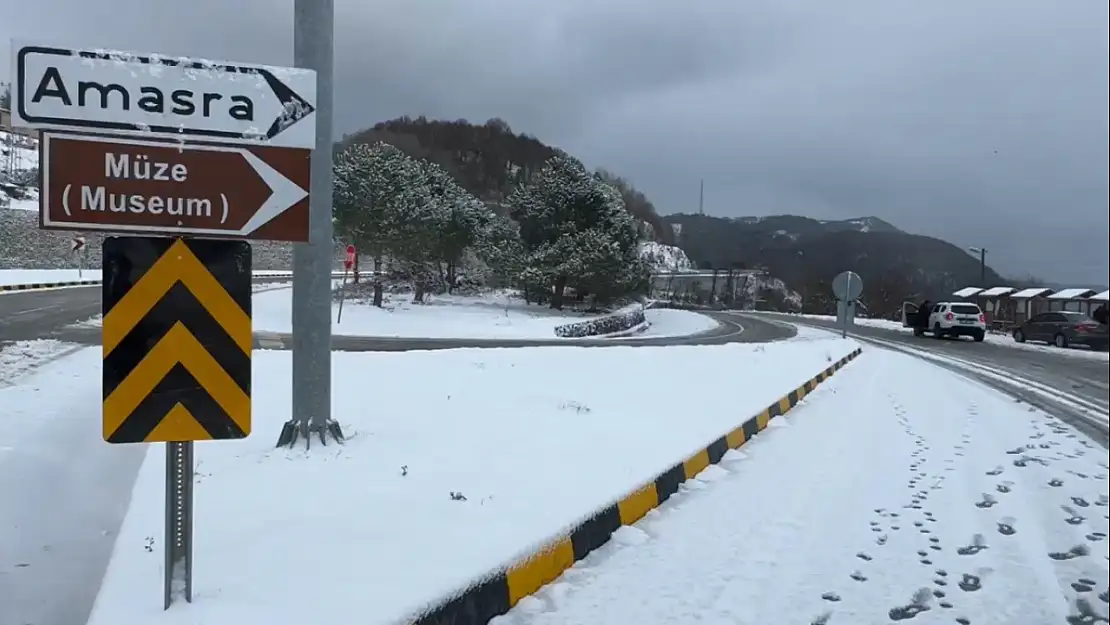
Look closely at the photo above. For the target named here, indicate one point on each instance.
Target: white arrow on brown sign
(152, 187)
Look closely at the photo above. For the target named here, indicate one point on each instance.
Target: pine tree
(576, 232)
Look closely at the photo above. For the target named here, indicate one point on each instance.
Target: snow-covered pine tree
(577, 232)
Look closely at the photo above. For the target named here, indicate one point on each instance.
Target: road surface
(51, 313)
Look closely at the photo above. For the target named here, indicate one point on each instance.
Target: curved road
(1067, 373)
(61, 503)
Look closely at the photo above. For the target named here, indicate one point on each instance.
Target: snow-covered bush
(624, 319)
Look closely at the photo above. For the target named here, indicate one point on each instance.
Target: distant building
(6, 125)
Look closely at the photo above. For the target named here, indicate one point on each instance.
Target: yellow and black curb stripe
(46, 285)
(496, 595)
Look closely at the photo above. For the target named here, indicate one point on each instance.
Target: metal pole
(844, 301)
(983, 267)
(178, 567)
(313, 48)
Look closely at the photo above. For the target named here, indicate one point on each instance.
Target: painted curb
(496, 595)
(47, 285)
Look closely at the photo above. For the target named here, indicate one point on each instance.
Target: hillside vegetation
(808, 253)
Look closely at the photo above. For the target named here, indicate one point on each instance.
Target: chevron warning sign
(177, 339)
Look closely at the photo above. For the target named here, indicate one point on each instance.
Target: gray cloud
(984, 123)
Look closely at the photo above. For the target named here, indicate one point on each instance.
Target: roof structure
(1036, 291)
(967, 291)
(997, 291)
(1104, 296)
(1079, 293)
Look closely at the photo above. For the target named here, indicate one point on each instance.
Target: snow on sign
(128, 185)
(152, 96)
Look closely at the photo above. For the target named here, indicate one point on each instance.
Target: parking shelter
(1030, 302)
(1077, 300)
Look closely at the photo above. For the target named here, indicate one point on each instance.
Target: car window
(1056, 318)
(965, 309)
(1041, 318)
(938, 308)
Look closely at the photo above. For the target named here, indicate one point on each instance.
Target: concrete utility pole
(982, 252)
(314, 48)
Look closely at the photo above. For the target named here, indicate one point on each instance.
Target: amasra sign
(159, 96)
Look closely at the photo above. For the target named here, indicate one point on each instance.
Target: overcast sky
(983, 122)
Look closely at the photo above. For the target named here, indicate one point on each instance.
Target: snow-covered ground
(878, 500)
(492, 316)
(458, 461)
(46, 276)
(20, 357)
(997, 339)
(23, 205)
(669, 322)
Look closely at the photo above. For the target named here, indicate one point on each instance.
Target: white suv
(950, 319)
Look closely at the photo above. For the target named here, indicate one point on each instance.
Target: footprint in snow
(1083, 584)
(978, 543)
(1086, 614)
(917, 605)
(1073, 518)
(1004, 487)
(1077, 551)
(986, 502)
(970, 583)
(1079, 501)
(1006, 526)
(995, 471)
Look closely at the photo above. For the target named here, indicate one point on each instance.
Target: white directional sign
(158, 96)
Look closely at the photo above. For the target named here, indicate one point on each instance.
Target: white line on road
(1097, 413)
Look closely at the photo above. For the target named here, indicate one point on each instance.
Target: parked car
(1063, 328)
(945, 319)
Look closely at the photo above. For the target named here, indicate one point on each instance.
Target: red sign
(123, 185)
(349, 261)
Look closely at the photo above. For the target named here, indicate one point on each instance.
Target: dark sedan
(1063, 328)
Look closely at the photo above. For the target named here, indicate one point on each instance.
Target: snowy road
(898, 491)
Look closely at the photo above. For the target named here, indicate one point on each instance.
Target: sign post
(313, 48)
(348, 262)
(847, 286)
(184, 148)
(77, 246)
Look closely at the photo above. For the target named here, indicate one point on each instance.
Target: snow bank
(458, 462)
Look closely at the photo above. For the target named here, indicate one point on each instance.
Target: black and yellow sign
(177, 340)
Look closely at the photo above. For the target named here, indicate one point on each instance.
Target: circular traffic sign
(847, 286)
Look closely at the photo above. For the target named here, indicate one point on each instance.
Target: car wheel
(1019, 336)
(980, 336)
(1060, 340)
